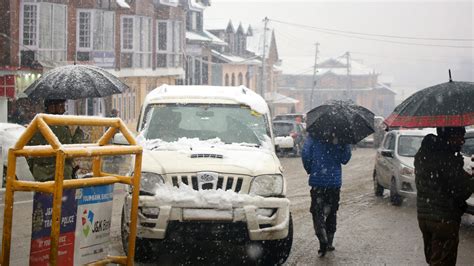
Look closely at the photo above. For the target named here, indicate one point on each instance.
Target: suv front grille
(224, 182)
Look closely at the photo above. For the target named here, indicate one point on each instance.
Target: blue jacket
(322, 161)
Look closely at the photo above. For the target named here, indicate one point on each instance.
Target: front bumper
(271, 226)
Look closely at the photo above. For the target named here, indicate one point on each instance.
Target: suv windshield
(229, 123)
(282, 129)
(408, 145)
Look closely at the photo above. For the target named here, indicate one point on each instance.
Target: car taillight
(293, 135)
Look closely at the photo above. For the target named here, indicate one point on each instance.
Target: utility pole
(349, 77)
(263, 84)
(315, 70)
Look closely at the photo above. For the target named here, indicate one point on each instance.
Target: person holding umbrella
(322, 160)
(43, 168)
(441, 182)
(332, 127)
(442, 190)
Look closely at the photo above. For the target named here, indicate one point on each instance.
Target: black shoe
(322, 250)
(330, 248)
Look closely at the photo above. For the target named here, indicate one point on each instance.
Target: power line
(375, 35)
(396, 42)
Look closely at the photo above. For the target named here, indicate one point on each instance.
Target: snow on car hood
(186, 155)
(218, 199)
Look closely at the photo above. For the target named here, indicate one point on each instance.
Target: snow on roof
(122, 3)
(235, 59)
(237, 94)
(338, 66)
(205, 36)
(255, 42)
(196, 6)
(277, 98)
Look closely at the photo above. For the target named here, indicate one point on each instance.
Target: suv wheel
(144, 248)
(276, 252)
(378, 189)
(395, 198)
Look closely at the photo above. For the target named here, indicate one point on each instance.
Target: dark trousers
(441, 241)
(324, 206)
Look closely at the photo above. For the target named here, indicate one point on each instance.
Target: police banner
(94, 217)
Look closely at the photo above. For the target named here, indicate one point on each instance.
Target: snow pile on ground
(218, 199)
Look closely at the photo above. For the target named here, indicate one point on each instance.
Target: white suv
(210, 172)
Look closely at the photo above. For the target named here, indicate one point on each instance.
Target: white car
(9, 134)
(210, 172)
(394, 163)
(289, 136)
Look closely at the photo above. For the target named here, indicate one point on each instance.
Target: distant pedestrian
(322, 161)
(114, 113)
(442, 189)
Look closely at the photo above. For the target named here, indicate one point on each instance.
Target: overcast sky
(411, 67)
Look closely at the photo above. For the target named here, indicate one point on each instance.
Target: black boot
(330, 246)
(322, 249)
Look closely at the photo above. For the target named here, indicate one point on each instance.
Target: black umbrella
(449, 104)
(75, 82)
(341, 122)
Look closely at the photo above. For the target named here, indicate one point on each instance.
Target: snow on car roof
(237, 94)
(416, 132)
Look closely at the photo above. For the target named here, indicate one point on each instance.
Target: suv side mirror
(387, 153)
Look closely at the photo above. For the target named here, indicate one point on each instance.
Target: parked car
(468, 152)
(394, 164)
(209, 173)
(289, 137)
(9, 134)
(299, 118)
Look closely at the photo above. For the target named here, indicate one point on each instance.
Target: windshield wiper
(250, 145)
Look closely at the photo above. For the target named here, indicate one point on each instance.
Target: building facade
(338, 80)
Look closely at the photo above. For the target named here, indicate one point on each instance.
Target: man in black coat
(442, 189)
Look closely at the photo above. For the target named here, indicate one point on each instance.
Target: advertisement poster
(94, 217)
(41, 228)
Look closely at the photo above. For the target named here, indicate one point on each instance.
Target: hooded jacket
(441, 182)
(322, 161)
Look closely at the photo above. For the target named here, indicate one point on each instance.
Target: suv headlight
(267, 185)
(149, 181)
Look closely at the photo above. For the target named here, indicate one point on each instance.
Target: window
(85, 31)
(169, 44)
(232, 83)
(30, 24)
(43, 30)
(226, 80)
(127, 33)
(136, 42)
(240, 79)
(247, 80)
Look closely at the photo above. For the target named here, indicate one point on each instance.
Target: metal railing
(61, 151)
